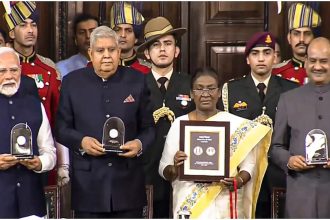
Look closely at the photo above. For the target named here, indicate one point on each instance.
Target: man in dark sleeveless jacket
(21, 189)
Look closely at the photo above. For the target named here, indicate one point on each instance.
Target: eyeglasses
(209, 91)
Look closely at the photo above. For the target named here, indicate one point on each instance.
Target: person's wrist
(240, 181)
(289, 167)
(140, 151)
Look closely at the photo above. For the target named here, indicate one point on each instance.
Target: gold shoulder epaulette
(224, 95)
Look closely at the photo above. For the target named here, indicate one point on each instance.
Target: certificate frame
(207, 145)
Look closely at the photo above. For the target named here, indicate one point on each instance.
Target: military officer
(127, 21)
(301, 20)
(257, 94)
(170, 97)
(22, 23)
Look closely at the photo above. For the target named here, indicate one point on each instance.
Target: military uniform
(177, 99)
(136, 63)
(292, 69)
(47, 79)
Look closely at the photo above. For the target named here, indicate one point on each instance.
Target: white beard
(7, 89)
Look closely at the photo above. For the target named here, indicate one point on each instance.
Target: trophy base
(317, 162)
(21, 157)
(114, 151)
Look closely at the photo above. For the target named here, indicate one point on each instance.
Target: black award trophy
(21, 141)
(316, 147)
(113, 135)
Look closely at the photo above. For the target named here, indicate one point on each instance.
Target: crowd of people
(275, 113)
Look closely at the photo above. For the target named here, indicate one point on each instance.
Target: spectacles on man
(209, 91)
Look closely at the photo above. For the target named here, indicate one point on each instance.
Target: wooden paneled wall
(217, 30)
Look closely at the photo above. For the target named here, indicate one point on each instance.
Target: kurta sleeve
(45, 141)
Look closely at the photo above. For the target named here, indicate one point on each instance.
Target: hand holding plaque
(113, 135)
(316, 147)
(21, 141)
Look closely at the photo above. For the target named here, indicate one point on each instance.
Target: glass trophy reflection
(21, 141)
(113, 135)
(316, 147)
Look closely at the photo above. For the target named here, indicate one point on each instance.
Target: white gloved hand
(63, 175)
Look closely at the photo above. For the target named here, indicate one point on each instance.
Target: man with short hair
(170, 96)
(21, 179)
(83, 25)
(307, 194)
(23, 30)
(127, 21)
(302, 19)
(257, 94)
(105, 185)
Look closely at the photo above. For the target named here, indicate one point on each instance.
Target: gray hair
(103, 32)
(4, 50)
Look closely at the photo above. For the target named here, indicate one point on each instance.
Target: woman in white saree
(249, 144)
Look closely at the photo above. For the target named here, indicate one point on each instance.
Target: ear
(75, 42)
(11, 34)
(177, 51)
(90, 54)
(136, 40)
(247, 60)
(289, 38)
(146, 53)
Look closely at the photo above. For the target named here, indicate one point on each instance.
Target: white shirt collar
(167, 75)
(266, 81)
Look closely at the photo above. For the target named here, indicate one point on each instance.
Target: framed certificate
(206, 144)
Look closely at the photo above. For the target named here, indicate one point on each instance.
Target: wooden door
(218, 33)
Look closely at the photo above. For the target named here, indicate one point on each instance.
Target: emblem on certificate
(21, 141)
(316, 147)
(113, 135)
(206, 144)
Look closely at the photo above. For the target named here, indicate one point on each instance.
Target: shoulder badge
(144, 62)
(279, 65)
(50, 63)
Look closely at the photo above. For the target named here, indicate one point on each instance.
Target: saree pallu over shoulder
(245, 136)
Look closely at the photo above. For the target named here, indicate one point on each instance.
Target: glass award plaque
(21, 141)
(113, 135)
(316, 147)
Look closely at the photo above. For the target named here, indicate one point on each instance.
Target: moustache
(301, 44)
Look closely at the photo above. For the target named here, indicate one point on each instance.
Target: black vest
(21, 190)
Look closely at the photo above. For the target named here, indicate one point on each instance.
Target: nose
(30, 28)
(88, 34)
(302, 37)
(317, 65)
(261, 57)
(122, 33)
(162, 47)
(106, 54)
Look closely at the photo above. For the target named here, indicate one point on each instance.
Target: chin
(8, 91)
